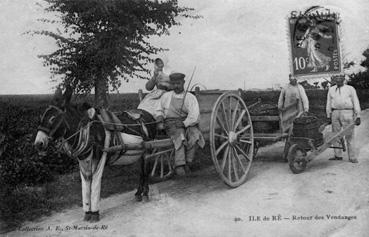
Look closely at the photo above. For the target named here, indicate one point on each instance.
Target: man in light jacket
(343, 108)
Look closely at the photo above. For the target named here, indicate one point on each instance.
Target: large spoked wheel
(231, 139)
(297, 159)
(161, 164)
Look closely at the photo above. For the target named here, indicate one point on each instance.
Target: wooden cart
(227, 125)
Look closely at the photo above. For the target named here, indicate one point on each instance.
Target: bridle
(61, 120)
(82, 144)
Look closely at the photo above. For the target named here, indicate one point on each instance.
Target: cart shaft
(330, 142)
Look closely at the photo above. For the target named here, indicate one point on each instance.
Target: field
(34, 186)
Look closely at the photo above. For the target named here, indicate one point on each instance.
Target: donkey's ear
(91, 112)
(67, 94)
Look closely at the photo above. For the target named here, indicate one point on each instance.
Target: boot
(335, 158)
(180, 171)
(87, 216)
(353, 160)
(95, 216)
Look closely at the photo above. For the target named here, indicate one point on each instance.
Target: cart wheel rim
(231, 139)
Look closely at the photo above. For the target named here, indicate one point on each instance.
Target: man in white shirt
(292, 94)
(179, 110)
(343, 108)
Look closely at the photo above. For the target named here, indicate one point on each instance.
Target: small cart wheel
(286, 152)
(296, 159)
(231, 139)
(161, 165)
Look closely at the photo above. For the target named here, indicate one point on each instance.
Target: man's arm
(281, 99)
(193, 109)
(329, 106)
(356, 103)
(304, 99)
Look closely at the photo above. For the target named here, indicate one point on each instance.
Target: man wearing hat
(293, 93)
(178, 112)
(343, 108)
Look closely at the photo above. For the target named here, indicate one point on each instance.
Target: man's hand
(179, 124)
(160, 123)
(160, 126)
(329, 121)
(305, 113)
(357, 121)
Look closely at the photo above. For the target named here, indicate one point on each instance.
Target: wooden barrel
(308, 127)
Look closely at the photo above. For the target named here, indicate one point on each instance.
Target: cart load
(265, 110)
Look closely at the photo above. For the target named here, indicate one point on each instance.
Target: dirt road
(331, 198)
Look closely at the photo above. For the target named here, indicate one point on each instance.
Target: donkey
(81, 133)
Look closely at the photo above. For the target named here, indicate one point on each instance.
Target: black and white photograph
(186, 118)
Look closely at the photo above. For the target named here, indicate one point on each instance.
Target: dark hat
(176, 76)
(339, 77)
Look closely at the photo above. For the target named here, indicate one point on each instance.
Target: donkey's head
(54, 124)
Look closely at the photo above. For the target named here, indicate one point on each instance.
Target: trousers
(186, 141)
(340, 120)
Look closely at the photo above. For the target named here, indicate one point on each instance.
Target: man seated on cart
(179, 114)
(343, 108)
(292, 94)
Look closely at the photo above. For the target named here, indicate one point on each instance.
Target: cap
(176, 76)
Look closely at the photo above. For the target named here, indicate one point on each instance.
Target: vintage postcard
(184, 118)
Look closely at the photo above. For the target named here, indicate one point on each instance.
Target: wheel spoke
(225, 116)
(239, 119)
(220, 135)
(229, 166)
(154, 167)
(235, 170)
(155, 163)
(161, 167)
(225, 156)
(222, 125)
(243, 130)
(245, 141)
(221, 147)
(239, 160)
(234, 115)
(169, 165)
(230, 113)
(242, 152)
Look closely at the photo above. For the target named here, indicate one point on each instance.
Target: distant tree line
(360, 80)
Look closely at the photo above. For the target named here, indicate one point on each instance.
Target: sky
(237, 43)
